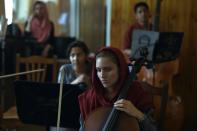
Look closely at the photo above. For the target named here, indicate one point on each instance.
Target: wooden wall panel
(193, 42)
(92, 23)
(177, 20)
(120, 20)
(191, 97)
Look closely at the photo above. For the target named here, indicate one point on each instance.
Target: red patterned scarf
(41, 28)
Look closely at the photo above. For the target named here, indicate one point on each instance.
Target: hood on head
(123, 69)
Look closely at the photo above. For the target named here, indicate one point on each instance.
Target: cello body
(97, 119)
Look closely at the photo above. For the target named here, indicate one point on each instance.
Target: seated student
(41, 28)
(109, 75)
(142, 14)
(78, 71)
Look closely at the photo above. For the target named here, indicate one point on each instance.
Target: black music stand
(37, 103)
(156, 47)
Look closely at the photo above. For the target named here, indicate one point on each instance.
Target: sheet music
(156, 47)
(142, 39)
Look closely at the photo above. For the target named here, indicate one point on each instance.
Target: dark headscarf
(94, 98)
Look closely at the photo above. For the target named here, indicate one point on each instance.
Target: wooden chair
(37, 62)
(162, 92)
(10, 118)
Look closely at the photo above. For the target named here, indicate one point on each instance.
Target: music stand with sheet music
(156, 47)
(37, 103)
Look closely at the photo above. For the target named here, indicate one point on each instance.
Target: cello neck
(156, 18)
(113, 116)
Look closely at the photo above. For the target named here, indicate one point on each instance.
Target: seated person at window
(41, 28)
(108, 77)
